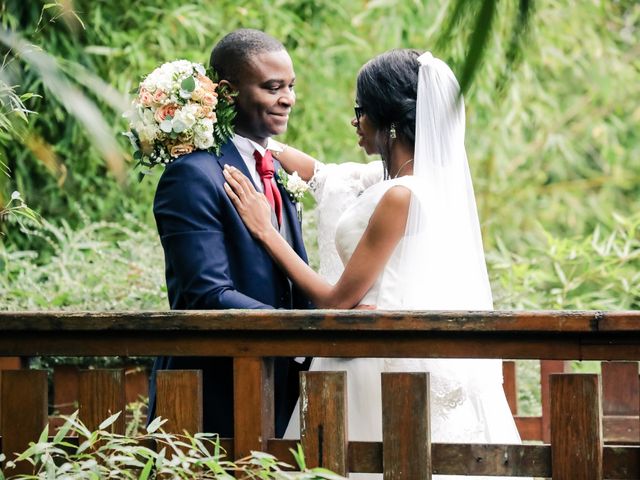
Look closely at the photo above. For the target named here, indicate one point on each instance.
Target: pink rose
(206, 83)
(210, 99)
(159, 96)
(212, 117)
(146, 99)
(204, 111)
(165, 111)
(180, 149)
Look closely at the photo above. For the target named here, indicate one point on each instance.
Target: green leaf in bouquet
(188, 84)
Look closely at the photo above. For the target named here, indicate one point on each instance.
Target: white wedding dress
(467, 400)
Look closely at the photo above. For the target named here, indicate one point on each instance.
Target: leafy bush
(96, 266)
(102, 454)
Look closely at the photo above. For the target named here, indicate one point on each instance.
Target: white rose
(296, 185)
(185, 116)
(203, 131)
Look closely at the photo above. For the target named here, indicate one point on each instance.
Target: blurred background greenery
(552, 134)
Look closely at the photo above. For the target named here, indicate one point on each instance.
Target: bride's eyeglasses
(359, 111)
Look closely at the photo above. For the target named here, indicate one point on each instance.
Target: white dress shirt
(246, 147)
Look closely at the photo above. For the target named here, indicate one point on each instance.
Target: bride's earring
(392, 131)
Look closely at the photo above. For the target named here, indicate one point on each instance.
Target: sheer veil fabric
(442, 263)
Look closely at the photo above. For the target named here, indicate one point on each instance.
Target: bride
(407, 239)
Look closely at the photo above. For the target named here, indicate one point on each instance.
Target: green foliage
(103, 454)
(96, 266)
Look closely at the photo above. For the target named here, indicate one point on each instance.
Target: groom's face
(265, 95)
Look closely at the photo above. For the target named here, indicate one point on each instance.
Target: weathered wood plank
(547, 368)
(323, 420)
(179, 397)
(136, 383)
(530, 428)
(66, 379)
(253, 391)
(621, 463)
(100, 395)
(406, 429)
(546, 335)
(254, 320)
(510, 385)
(620, 388)
(24, 412)
(399, 344)
(476, 459)
(621, 429)
(576, 427)
(617, 429)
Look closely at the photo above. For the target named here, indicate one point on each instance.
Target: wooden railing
(576, 449)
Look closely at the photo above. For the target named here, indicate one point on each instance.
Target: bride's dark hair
(386, 89)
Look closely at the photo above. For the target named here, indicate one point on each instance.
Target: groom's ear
(231, 88)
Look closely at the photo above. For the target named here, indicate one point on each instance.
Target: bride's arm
(386, 228)
(294, 160)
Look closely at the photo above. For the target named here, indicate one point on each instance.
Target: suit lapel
(229, 155)
(291, 216)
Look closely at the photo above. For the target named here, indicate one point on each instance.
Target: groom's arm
(188, 217)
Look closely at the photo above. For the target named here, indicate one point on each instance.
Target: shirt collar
(246, 146)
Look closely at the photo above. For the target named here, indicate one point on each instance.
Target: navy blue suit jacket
(212, 262)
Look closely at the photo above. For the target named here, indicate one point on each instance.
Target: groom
(211, 260)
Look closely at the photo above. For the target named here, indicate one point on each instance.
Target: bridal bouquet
(177, 109)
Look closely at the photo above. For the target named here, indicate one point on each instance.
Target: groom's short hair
(231, 53)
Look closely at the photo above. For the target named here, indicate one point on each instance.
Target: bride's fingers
(244, 182)
(235, 186)
(234, 198)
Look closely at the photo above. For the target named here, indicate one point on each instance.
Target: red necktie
(264, 166)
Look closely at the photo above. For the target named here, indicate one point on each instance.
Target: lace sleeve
(336, 186)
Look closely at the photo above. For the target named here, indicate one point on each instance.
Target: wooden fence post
(179, 400)
(576, 427)
(253, 413)
(100, 395)
(620, 388)
(406, 429)
(510, 384)
(323, 420)
(24, 412)
(547, 368)
(65, 388)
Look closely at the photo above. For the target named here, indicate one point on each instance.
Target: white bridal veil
(443, 265)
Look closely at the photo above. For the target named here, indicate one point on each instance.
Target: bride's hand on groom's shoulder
(252, 206)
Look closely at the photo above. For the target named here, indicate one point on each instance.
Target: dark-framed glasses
(359, 111)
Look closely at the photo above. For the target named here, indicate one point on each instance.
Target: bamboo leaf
(109, 421)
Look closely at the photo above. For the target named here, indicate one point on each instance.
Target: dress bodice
(350, 229)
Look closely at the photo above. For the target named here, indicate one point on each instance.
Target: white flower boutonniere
(295, 187)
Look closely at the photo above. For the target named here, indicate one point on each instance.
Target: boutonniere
(295, 188)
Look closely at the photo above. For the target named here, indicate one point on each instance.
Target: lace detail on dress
(335, 187)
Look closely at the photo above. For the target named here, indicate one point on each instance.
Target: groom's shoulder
(199, 159)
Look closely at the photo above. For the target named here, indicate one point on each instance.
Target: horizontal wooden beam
(350, 320)
(329, 333)
(399, 344)
(478, 459)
